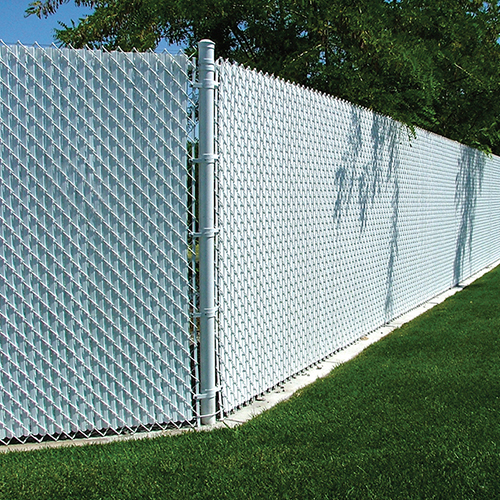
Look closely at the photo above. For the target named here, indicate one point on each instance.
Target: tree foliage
(429, 63)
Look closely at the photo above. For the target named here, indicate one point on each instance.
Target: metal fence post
(206, 159)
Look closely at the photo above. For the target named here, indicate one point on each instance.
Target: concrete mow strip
(282, 391)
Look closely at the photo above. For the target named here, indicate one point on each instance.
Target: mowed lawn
(416, 415)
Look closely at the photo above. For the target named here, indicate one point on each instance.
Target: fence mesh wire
(95, 293)
(333, 220)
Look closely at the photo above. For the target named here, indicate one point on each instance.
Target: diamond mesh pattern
(95, 294)
(333, 220)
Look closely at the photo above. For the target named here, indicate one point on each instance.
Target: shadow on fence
(366, 173)
(468, 184)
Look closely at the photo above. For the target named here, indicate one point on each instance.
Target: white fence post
(206, 160)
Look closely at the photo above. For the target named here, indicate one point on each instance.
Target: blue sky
(15, 27)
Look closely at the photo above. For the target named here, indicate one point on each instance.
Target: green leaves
(44, 8)
(127, 24)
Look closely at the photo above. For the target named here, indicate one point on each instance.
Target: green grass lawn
(414, 416)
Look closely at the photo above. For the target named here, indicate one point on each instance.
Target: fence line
(333, 220)
(329, 220)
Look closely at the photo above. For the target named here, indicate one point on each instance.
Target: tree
(429, 63)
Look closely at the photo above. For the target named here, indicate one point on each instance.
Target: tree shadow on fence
(468, 185)
(393, 131)
(364, 173)
(346, 172)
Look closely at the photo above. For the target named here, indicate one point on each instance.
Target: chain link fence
(333, 220)
(330, 220)
(96, 285)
